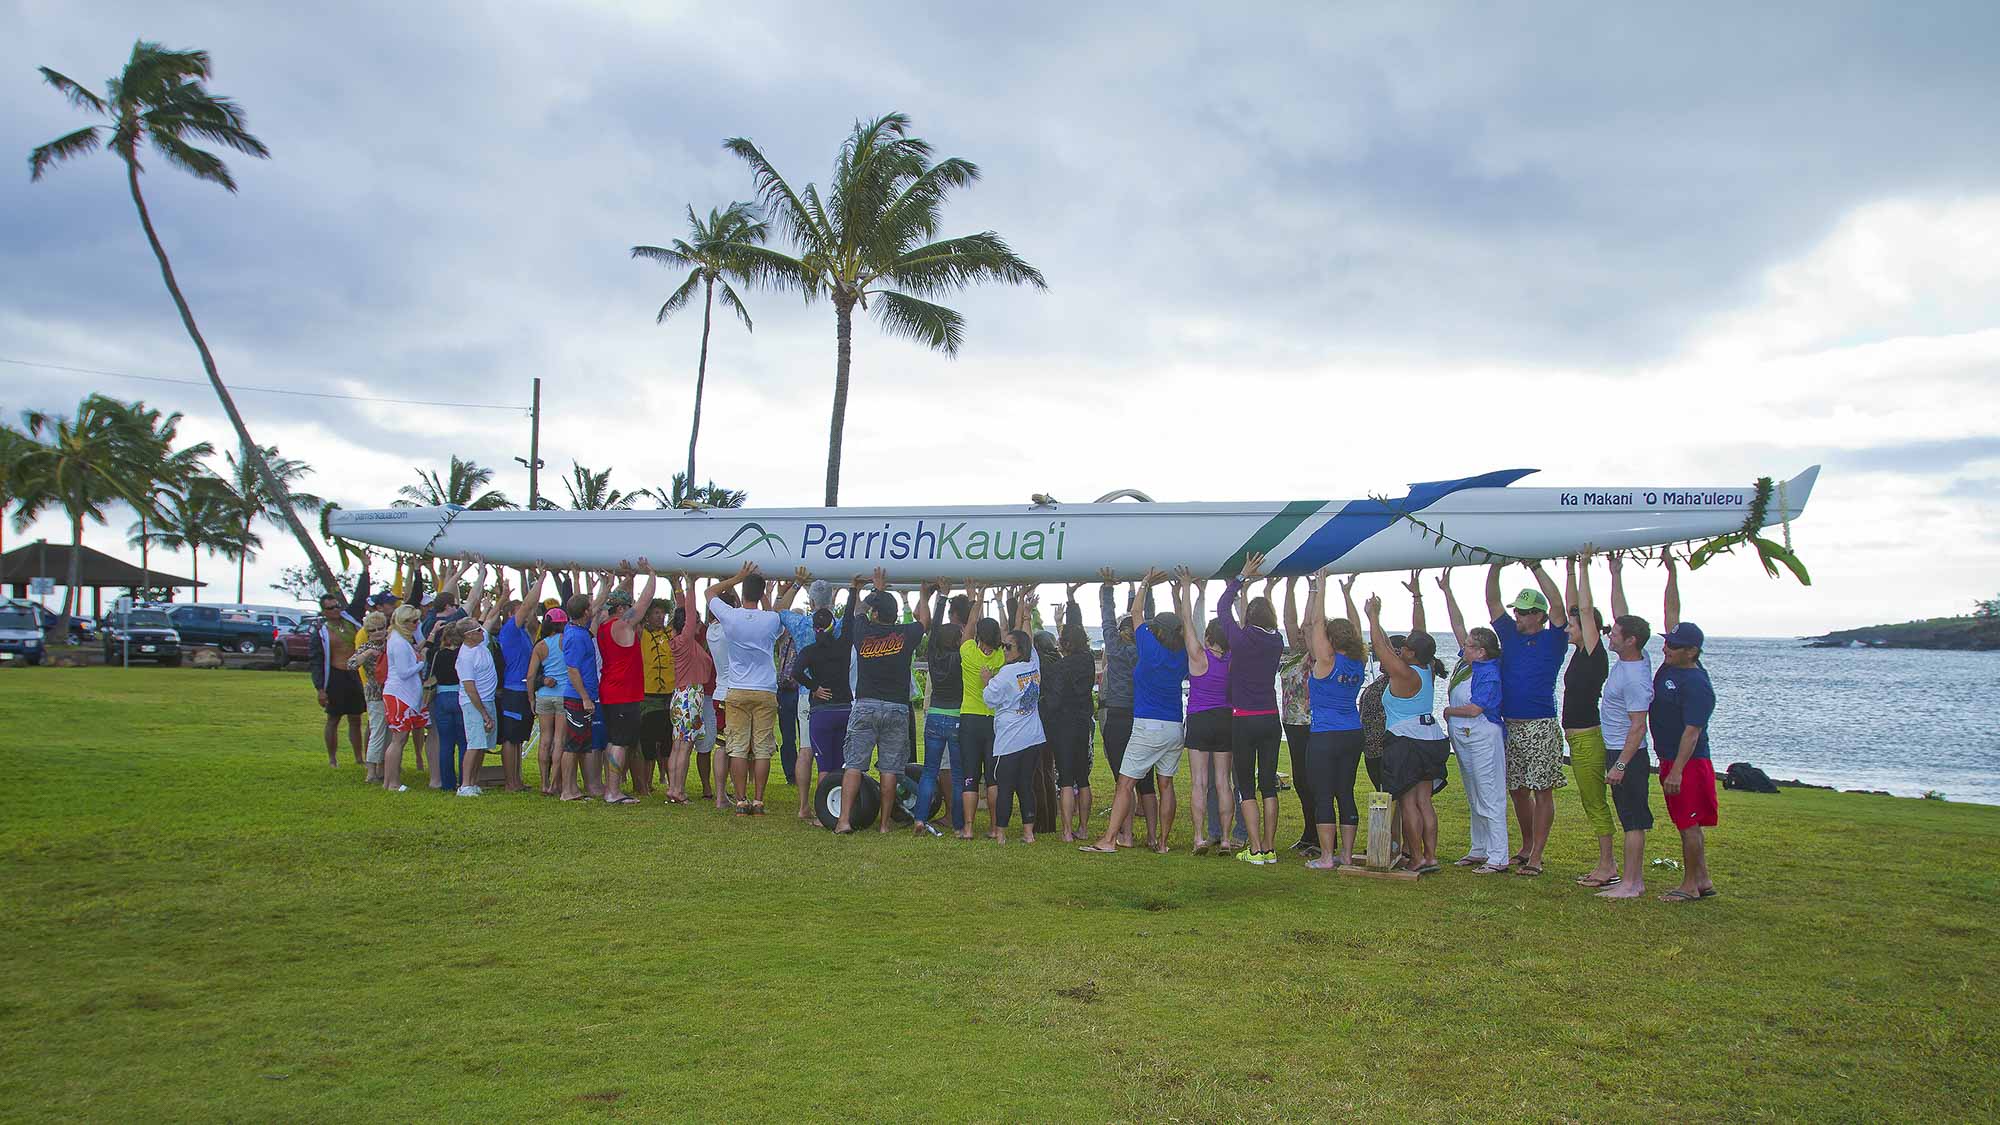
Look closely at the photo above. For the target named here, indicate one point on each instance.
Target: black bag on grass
(1748, 778)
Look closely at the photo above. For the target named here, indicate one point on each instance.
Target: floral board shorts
(1535, 754)
(687, 713)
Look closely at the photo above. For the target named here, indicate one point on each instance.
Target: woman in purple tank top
(1209, 735)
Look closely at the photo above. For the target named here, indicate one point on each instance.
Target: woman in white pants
(1472, 717)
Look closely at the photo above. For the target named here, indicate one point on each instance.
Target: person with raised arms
(1210, 747)
(622, 676)
(879, 720)
(1416, 755)
(693, 669)
(979, 655)
(1295, 711)
(1338, 665)
(751, 636)
(1072, 678)
(1583, 686)
(584, 729)
(822, 673)
(402, 693)
(1479, 737)
(1683, 703)
(547, 672)
(656, 710)
(1167, 652)
(1255, 730)
(1531, 659)
(515, 705)
(1623, 711)
(1013, 691)
(1121, 655)
(951, 616)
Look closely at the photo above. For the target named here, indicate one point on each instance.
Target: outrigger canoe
(1440, 523)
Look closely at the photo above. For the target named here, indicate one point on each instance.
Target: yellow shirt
(970, 661)
(360, 637)
(656, 657)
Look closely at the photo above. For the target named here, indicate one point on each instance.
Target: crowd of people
(627, 684)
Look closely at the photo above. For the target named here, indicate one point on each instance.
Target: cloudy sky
(1319, 250)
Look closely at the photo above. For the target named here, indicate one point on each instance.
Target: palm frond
(731, 301)
(152, 69)
(914, 214)
(933, 326)
(78, 96)
(777, 197)
(954, 263)
(768, 268)
(199, 163)
(680, 297)
(672, 257)
(62, 148)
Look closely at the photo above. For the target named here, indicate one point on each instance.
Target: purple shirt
(1253, 659)
(1210, 690)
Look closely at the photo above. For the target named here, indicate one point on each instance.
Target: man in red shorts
(1683, 701)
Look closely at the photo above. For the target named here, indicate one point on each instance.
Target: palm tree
(714, 257)
(592, 492)
(14, 447)
(460, 487)
(171, 472)
(81, 464)
(160, 97)
(710, 495)
(875, 236)
(202, 518)
(248, 500)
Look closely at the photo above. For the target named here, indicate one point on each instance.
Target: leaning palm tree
(172, 470)
(592, 492)
(460, 486)
(14, 447)
(714, 257)
(82, 464)
(160, 98)
(249, 500)
(874, 236)
(710, 495)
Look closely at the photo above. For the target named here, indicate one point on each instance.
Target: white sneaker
(469, 791)
(400, 789)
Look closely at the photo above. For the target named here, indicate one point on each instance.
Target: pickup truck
(207, 625)
(143, 634)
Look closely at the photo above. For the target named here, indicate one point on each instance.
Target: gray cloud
(1920, 456)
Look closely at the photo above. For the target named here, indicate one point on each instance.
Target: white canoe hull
(1072, 542)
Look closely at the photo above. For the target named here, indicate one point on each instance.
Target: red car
(288, 645)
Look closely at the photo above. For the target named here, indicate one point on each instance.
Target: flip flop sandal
(1707, 892)
(1201, 847)
(756, 808)
(1678, 895)
(1529, 870)
(1491, 869)
(1587, 881)
(1095, 850)
(1429, 869)
(1517, 861)
(1470, 861)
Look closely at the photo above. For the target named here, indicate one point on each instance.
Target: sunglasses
(1519, 612)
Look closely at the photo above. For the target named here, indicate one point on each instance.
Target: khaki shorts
(1156, 745)
(548, 704)
(752, 726)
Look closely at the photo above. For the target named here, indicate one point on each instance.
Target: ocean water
(1899, 720)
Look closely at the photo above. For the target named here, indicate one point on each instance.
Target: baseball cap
(1685, 635)
(1530, 599)
(559, 617)
(383, 598)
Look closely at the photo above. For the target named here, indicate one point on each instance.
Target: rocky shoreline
(1954, 634)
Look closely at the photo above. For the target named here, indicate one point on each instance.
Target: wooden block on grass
(1351, 869)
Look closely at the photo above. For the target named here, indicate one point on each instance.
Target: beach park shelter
(43, 559)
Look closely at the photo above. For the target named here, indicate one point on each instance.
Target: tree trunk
(279, 493)
(72, 597)
(194, 559)
(240, 560)
(700, 376)
(843, 320)
(145, 560)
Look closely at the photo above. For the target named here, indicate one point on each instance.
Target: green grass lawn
(203, 922)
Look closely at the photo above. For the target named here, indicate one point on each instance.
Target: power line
(262, 390)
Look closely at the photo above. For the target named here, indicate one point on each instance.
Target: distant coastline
(1957, 634)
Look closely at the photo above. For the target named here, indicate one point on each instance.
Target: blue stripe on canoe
(1360, 519)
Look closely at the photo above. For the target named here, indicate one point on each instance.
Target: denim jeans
(940, 746)
(788, 730)
(447, 734)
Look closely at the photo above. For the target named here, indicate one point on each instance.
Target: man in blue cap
(1683, 701)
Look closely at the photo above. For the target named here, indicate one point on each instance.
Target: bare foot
(1627, 889)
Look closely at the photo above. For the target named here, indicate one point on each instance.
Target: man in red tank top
(621, 679)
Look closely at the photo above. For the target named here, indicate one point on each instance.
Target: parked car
(20, 633)
(207, 625)
(294, 643)
(144, 634)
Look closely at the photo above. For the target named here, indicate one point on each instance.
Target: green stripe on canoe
(1271, 534)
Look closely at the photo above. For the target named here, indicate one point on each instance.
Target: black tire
(246, 646)
(906, 797)
(826, 802)
(280, 655)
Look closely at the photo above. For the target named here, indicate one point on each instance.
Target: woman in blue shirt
(1333, 749)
